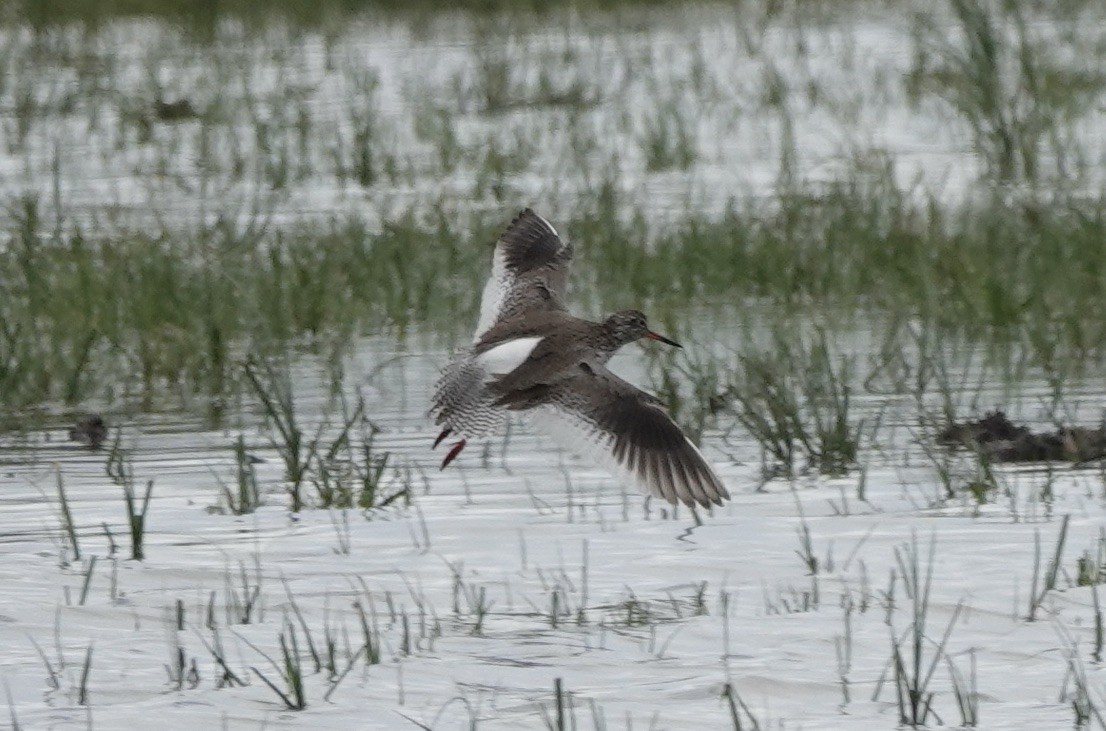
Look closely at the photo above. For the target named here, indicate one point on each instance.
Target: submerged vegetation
(304, 200)
(89, 315)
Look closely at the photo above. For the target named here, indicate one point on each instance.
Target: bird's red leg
(453, 452)
(445, 433)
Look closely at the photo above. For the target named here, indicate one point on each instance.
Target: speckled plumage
(462, 401)
(530, 355)
(529, 269)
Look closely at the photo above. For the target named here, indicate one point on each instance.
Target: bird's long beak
(660, 338)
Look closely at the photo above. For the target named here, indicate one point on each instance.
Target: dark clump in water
(91, 430)
(993, 427)
(999, 439)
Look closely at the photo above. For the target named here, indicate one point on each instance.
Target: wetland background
(248, 234)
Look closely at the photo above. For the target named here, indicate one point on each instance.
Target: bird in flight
(530, 355)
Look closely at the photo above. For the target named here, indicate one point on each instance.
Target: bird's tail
(463, 403)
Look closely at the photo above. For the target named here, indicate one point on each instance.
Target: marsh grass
(805, 551)
(792, 600)
(767, 407)
(273, 387)
(86, 673)
(289, 670)
(243, 606)
(120, 469)
(369, 158)
(915, 656)
(226, 677)
(794, 398)
(136, 517)
(12, 715)
(67, 523)
(985, 486)
(340, 459)
(1090, 567)
(298, 614)
(691, 387)
(1099, 627)
(827, 388)
(181, 669)
(563, 716)
(843, 650)
(966, 690)
(953, 373)
(354, 472)
(145, 312)
(668, 140)
(88, 309)
(245, 497)
(53, 678)
(738, 708)
(1042, 584)
(371, 473)
(201, 22)
(1003, 78)
(497, 83)
(1085, 707)
(87, 583)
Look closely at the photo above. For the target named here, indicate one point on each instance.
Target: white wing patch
(499, 284)
(508, 355)
(495, 291)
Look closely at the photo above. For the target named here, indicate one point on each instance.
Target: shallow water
(521, 564)
(653, 614)
(488, 111)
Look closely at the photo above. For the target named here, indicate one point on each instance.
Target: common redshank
(530, 355)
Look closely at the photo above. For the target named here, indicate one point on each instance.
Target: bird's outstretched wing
(529, 271)
(627, 430)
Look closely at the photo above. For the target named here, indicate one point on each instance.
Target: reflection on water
(371, 152)
(378, 114)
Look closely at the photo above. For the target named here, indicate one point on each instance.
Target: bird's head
(630, 325)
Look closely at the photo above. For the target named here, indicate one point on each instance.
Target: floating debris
(999, 439)
(90, 430)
